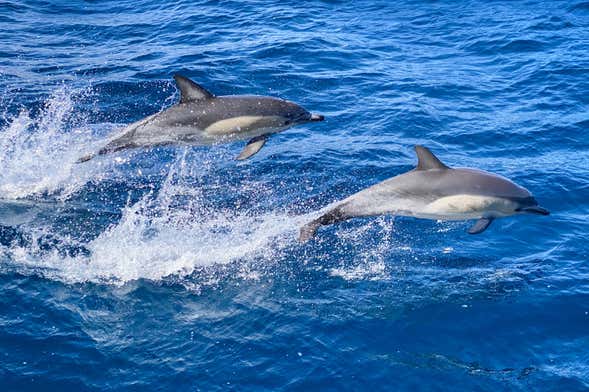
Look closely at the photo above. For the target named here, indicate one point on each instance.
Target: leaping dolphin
(434, 191)
(201, 118)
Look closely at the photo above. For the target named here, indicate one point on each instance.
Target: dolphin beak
(535, 210)
(317, 117)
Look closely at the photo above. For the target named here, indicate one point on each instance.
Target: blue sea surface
(178, 268)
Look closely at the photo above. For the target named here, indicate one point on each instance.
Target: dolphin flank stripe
(235, 123)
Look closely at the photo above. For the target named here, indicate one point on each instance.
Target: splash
(146, 246)
(169, 232)
(37, 153)
(173, 232)
(161, 236)
(371, 263)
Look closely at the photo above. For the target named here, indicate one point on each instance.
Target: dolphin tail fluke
(308, 231)
(110, 148)
(336, 215)
(86, 158)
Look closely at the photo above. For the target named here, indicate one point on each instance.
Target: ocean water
(178, 268)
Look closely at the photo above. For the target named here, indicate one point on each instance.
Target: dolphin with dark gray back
(434, 191)
(201, 118)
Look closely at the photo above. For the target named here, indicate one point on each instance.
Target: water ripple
(178, 268)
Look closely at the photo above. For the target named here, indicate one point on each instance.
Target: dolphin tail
(86, 158)
(110, 148)
(308, 231)
(92, 155)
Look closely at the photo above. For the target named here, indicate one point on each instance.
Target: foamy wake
(171, 232)
(38, 154)
(156, 237)
(146, 247)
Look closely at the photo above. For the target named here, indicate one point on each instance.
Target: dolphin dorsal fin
(426, 160)
(190, 91)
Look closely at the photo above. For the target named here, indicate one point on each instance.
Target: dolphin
(201, 118)
(434, 191)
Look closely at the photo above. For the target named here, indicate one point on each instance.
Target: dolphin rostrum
(434, 191)
(201, 118)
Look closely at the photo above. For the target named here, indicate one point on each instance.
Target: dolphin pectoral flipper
(480, 226)
(252, 147)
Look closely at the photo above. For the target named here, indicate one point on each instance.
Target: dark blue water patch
(582, 6)
(10, 236)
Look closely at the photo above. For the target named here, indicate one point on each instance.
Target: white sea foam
(156, 236)
(143, 247)
(169, 233)
(371, 263)
(155, 239)
(38, 154)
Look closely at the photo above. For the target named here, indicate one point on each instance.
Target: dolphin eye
(287, 122)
